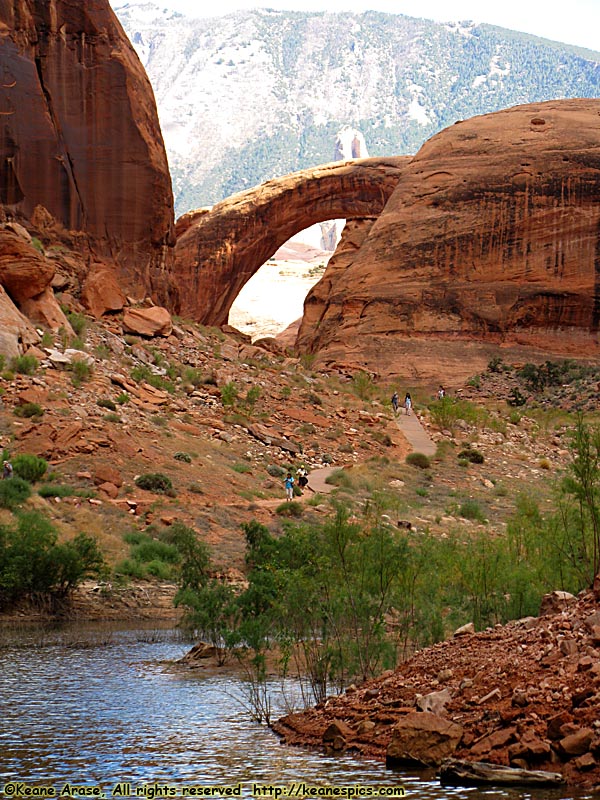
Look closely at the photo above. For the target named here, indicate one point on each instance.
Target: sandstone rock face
(491, 234)
(80, 134)
(217, 252)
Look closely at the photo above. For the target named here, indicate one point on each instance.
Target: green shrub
(229, 394)
(185, 457)
(123, 399)
(275, 471)
(471, 509)
(155, 482)
(418, 460)
(24, 365)
(106, 402)
(29, 410)
(31, 561)
(516, 398)
(77, 321)
(362, 383)
(472, 455)
(111, 417)
(289, 509)
(496, 364)
(14, 492)
(80, 371)
(29, 467)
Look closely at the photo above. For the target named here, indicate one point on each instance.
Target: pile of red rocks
(526, 694)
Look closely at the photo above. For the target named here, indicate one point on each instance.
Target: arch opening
(271, 302)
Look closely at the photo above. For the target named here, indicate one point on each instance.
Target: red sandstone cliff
(79, 135)
(491, 234)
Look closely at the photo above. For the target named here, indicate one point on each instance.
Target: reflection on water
(101, 710)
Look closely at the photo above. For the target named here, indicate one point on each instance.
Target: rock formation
(218, 251)
(80, 135)
(492, 234)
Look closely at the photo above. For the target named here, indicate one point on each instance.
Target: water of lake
(100, 708)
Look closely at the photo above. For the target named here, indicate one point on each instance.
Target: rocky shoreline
(525, 695)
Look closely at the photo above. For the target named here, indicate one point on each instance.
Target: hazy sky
(574, 22)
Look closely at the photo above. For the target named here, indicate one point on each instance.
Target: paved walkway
(316, 480)
(415, 433)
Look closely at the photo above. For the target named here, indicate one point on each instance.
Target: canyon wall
(79, 135)
(491, 235)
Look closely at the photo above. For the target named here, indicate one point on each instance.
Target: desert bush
(289, 509)
(24, 365)
(470, 509)
(275, 471)
(181, 456)
(28, 410)
(29, 467)
(516, 398)
(418, 460)
(472, 455)
(123, 398)
(155, 482)
(229, 394)
(106, 402)
(14, 492)
(81, 371)
(362, 383)
(78, 322)
(242, 468)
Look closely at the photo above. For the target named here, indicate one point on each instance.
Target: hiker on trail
(407, 403)
(441, 393)
(7, 470)
(302, 474)
(395, 402)
(289, 487)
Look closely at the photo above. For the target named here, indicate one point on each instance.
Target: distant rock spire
(349, 143)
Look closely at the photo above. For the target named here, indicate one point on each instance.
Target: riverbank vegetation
(342, 600)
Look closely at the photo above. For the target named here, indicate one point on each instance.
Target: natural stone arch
(220, 249)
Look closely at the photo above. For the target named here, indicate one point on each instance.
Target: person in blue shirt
(289, 486)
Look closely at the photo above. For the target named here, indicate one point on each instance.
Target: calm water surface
(97, 708)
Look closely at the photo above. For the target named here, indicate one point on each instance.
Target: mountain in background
(262, 93)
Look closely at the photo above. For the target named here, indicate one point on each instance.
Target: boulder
(434, 702)
(149, 322)
(423, 740)
(101, 292)
(555, 602)
(24, 272)
(576, 744)
(44, 309)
